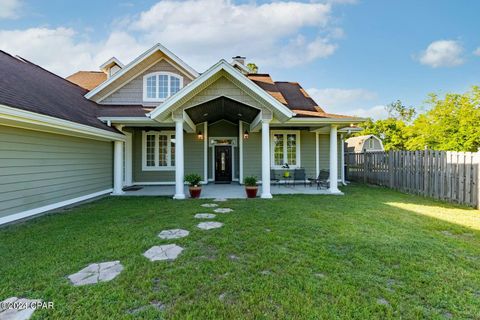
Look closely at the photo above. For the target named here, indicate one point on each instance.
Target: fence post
(365, 167)
(390, 168)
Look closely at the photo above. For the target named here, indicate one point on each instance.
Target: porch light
(245, 135)
(200, 135)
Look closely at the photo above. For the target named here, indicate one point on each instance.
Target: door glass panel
(223, 161)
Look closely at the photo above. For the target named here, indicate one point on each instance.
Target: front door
(223, 164)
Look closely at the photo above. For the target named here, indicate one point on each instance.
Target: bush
(193, 179)
(250, 181)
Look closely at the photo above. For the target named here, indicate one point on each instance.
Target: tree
(450, 124)
(397, 110)
(252, 67)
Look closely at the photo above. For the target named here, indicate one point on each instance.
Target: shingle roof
(122, 111)
(87, 79)
(26, 86)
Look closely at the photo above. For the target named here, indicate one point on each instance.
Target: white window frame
(157, 74)
(272, 149)
(157, 167)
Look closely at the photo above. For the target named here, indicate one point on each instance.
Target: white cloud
(354, 102)
(442, 53)
(201, 32)
(9, 8)
(477, 51)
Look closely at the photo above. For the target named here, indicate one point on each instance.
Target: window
(159, 86)
(158, 150)
(370, 143)
(285, 148)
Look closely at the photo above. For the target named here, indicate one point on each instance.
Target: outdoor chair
(299, 175)
(273, 177)
(322, 179)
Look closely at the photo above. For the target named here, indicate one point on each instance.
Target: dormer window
(158, 86)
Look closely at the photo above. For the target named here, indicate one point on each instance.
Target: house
(149, 122)
(365, 143)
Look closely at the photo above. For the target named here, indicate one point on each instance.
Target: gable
(132, 91)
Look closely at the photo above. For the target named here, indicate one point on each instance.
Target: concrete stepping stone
(15, 308)
(209, 205)
(173, 234)
(209, 225)
(205, 216)
(165, 252)
(96, 272)
(223, 210)
(220, 200)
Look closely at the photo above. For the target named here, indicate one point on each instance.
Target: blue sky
(354, 57)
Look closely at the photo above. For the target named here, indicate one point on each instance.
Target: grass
(373, 253)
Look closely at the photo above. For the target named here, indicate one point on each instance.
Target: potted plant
(193, 180)
(251, 186)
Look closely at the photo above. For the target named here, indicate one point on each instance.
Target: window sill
(158, 168)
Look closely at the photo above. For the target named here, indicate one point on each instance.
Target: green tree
(252, 67)
(452, 123)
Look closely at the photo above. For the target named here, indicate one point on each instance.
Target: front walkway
(229, 191)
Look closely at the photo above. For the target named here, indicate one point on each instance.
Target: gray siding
(324, 152)
(39, 169)
(252, 155)
(193, 158)
(132, 92)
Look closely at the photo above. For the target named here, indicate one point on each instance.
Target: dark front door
(223, 164)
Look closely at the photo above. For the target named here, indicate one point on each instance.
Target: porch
(228, 191)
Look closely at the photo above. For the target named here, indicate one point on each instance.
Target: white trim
(342, 159)
(118, 167)
(240, 151)
(298, 151)
(109, 62)
(327, 120)
(221, 65)
(266, 147)
(156, 134)
(53, 206)
(30, 120)
(157, 82)
(179, 161)
(140, 58)
(205, 152)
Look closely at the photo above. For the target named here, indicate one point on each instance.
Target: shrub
(250, 181)
(193, 179)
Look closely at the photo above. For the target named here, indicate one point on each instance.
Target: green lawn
(373, 253)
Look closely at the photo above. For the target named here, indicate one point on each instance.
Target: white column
(240, 152)
(317, 155)
(342, 159)
(117, 167)
(266, 160)
(333, 160)
(205, 152)
(179, 159)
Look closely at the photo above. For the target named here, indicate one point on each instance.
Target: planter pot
(195, 192)
(251, 192)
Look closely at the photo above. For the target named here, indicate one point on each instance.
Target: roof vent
(239, 59)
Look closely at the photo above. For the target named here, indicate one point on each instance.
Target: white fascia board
(221, 65)
(31, 120)
(110, 61)
(140, 58)
(326, 120)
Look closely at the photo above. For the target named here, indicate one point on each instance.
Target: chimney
(239, 59)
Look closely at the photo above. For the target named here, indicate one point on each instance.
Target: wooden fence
(445, 175)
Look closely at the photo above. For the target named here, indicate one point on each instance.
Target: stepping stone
(165, 252)
(209, 225)
(25, 308)
(383, 302)
(220, 200)
(153, 304)
(205, 216)
(96, 272)
(209, 205)
(223, 210)
(173, 234)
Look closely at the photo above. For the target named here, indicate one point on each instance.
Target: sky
(353, 56)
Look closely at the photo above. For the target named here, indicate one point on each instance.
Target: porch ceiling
(222, 108)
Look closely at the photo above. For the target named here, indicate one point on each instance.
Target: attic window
(158, 86)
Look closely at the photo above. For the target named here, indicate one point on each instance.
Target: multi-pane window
(285, 148)
(159, 86)
(159, 150)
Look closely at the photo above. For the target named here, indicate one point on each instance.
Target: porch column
(333, 160)
(117, 167)
(179, 165)
(266, 159)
